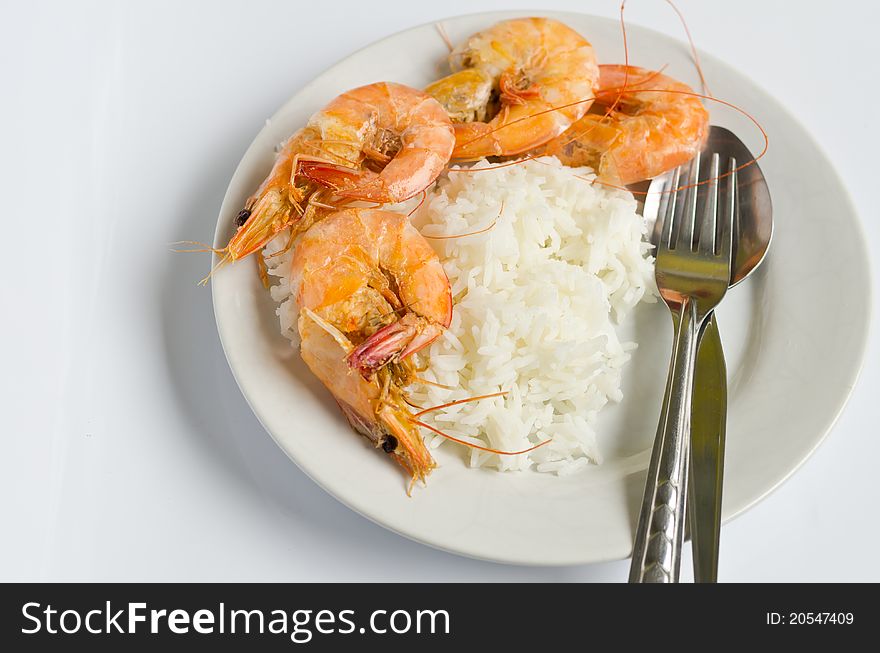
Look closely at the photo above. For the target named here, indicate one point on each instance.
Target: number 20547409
(809, 618)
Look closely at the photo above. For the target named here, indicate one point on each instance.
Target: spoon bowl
(754, 229)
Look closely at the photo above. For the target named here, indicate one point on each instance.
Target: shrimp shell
(371, 293)
(657, 123)
(400, 130)
(535, 76)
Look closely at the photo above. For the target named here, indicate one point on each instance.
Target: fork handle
(658, 542)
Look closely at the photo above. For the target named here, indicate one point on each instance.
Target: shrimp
(371, 293)
(394, 141)
(642, 124)
(383, 142)
(516, 85)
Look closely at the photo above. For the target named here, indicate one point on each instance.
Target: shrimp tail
(393, 342)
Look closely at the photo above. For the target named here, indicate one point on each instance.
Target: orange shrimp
(371, 293)
(393, 141)
(517, 85)
(383, 142)
(642, 124)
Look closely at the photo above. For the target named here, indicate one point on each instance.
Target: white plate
(795, 336)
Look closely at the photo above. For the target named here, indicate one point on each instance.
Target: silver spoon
(751, 239)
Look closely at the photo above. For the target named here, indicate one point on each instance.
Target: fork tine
(685, 239)
(728, 213)
(667, 213)
(710, 210)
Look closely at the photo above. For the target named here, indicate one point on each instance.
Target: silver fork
(693, 272)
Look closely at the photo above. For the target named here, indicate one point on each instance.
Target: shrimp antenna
(470, 233)
(400, 309)
(477, 446)
(223, 261)
(443, 35)
(496, 166)
(419, 205)
(694, 53)
(287, 246)
(423, 411)
(407, 401)
(505, 125)
(331, 330)
(202, 247)
(433, 383)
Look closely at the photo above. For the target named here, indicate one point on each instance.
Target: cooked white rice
(537, 298)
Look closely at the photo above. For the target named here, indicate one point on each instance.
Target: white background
(128, 452)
